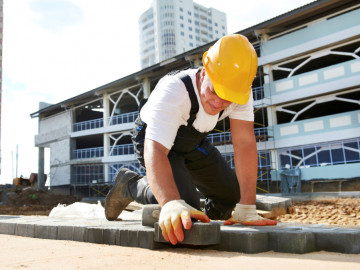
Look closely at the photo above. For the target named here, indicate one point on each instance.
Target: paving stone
(112, 236)
(46, 232)
(268, 203)
(65, 233)
(340, 240)
(95, 235)
(80, 234)
(7, 228)
(291, 241)
(128, 238)
(200, 234)
(26, 230)
(244, 240)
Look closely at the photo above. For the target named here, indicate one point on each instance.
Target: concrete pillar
(271, 110)
(106, 154)
(106, 113)
(197, 62)
(41, 175)
(146, 87)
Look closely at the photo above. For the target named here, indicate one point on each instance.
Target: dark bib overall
(198, 167)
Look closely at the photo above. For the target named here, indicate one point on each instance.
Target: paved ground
(288, 238)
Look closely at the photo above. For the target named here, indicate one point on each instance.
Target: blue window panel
(324, 157)
(311, 156)
(351, 150)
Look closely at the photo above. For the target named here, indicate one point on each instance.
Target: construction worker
(181, 164)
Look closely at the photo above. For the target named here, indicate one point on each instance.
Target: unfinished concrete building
(307, 109)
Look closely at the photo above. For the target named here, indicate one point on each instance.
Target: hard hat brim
(229, 95)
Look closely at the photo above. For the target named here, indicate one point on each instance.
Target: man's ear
(202, 75)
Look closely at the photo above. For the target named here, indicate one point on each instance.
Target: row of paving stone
(288, 238)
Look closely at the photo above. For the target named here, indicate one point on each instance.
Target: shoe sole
(115, 202)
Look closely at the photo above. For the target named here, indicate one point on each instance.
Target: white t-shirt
(168, 107)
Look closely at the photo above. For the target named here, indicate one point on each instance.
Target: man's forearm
(246, 171)
(159, 172)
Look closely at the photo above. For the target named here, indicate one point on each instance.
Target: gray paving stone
(26, 230)
(46, 232)
(268, 203)
(292, 241)
(65, 233)
(341, 240)
(95, 235)
(128, 238)
(80, 234)
(246, 240)
(201, 234)
(7, 228)
(112, 236)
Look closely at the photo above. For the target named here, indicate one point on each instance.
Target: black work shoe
(119, 195)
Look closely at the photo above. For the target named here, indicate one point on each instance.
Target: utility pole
(17, 158)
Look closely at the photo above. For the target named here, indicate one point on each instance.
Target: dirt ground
(30, 253)
(340, 211)
(29, 201)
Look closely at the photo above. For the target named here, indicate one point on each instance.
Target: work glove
(247, 215)
(170, 216)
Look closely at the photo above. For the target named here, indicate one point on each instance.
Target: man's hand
(247, 215)
(170, 216)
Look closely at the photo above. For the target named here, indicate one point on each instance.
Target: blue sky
(56, 49)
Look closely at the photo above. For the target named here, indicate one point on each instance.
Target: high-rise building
(171, 27)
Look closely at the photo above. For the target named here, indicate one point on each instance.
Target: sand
(28, 253)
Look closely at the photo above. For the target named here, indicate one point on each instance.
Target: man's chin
(212, 111)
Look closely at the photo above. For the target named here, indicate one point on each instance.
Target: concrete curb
(288, 238)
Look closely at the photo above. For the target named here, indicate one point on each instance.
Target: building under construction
(307, 109)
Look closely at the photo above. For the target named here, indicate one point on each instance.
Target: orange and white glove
(171, 214)
(247, 215)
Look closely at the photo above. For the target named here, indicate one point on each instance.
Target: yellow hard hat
(231, 66)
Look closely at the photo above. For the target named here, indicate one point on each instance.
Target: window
(189, 12)
(324, 156)
(182, 33)
(190, 28)
(191, 44)
(181, 17)
(216, 24)
(352, 153)
(310, 156)
(181, 9)
(189, 20)
(181, 25)
(190, 36)
(337, 154)
(342, 152)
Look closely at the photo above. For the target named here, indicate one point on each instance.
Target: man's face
(209, 99)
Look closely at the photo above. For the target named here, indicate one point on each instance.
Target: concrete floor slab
(289, 238)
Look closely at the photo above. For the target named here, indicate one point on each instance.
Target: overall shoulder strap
(194, 102)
